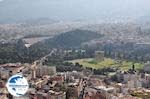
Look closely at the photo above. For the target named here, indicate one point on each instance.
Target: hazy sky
(73, 9)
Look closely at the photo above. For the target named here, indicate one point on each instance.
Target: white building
(147, 67)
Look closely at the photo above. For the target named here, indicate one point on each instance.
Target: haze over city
(21, 10)
(74, 49)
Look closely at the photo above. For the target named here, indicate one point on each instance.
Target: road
(41, 60)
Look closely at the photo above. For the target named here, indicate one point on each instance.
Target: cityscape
(73, 50)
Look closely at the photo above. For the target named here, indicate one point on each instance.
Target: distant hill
(39, 28)
(72, 39)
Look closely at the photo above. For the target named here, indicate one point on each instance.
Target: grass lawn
(108, 62)
(145, 95)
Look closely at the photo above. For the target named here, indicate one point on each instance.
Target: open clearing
(108, 62)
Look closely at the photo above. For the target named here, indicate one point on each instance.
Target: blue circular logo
(17, 85)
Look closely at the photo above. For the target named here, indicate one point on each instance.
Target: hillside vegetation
(72, 39)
